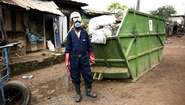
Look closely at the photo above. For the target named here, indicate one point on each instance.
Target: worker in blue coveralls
(78, 56)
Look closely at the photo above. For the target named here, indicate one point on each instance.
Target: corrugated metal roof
(96, 12)
(79, 1)
(71, 3)
(44, 6)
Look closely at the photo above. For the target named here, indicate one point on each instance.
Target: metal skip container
(135, 49)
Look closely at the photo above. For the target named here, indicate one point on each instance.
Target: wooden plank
(44, 31)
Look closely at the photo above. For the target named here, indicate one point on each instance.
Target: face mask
(77, 24)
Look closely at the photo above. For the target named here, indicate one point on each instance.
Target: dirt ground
(164, 85)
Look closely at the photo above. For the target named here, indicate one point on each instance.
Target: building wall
(18, 21)
(13, 23)
(179, 20)
(35, 24)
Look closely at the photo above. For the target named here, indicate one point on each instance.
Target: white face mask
(77, 24)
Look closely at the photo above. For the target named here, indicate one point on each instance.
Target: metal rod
(130, 46)
(147, 52)
(140, 35)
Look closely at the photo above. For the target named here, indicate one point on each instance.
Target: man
(78, 56)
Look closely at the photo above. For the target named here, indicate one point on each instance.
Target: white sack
(98, 21)
(50, 45)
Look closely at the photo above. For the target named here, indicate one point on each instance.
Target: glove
(92, 58)
(67, 63)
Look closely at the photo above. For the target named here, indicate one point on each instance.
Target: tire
(16, 93)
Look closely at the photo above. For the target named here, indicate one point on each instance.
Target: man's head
(75, 16)
(76, 19)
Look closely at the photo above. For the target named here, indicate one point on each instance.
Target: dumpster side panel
(128, 29)
(109, 55)
(136, 48)
(142, 37)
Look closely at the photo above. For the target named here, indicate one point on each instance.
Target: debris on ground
(164, 85)
(27, 76)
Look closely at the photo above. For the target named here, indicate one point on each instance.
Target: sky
(145, 5)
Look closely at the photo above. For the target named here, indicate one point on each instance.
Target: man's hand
(92, 58)
(67, 63)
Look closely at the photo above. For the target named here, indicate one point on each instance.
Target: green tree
(116, 7)
(164, 11)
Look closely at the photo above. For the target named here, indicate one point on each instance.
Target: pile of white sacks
(102, 27)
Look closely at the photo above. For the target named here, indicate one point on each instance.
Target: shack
(67, 7)
(31, 24)
(176, 25)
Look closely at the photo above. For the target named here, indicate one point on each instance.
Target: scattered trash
(50, 92)
(34, 39)
(27, 76)
(96, 22)
(98, 37)
(100, 29)
(50, 45)
(57, 54)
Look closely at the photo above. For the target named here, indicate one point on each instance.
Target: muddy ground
(164, 85)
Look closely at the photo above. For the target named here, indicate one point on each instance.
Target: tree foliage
(116, 7)
(164, 11)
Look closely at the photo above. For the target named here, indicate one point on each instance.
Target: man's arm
(90, 50)
(68, 48)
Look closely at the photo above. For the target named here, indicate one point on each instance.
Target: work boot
(78, 96)
(90, 93)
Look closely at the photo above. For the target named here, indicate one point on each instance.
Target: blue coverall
(79, 49)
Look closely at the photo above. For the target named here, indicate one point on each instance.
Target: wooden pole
(138, 5)
(44, 31)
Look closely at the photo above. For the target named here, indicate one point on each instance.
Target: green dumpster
(135, 49)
